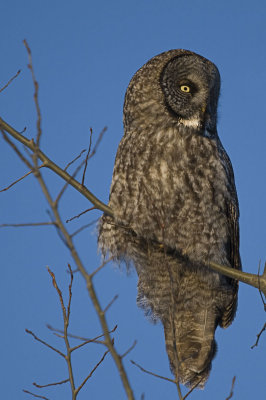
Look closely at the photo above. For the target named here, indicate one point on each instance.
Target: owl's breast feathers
(179, 190)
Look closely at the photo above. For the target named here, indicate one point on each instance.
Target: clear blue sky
(84, 54)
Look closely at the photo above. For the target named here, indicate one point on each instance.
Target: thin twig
(35, 395)
(83, 227)
(81, 337)
(86, 160)
(10, 80)
(111, 303)
(98, 142)
(75, 159)
(27, 224)
(50, 384)
(61, 236)
(87, 342)
(16, 150)
(100, 267)
(65, 186)
(232, 388)
(92, 371)
(129, 350)
(36, 96)
(258, 336)
(152, 373)
(79, 215)
(20, 179)
(191, 390)
(69, 290)
(45, 344)
(57, 289)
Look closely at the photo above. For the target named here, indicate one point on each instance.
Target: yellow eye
(185, 88)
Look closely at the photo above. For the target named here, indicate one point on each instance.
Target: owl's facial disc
(190, 85)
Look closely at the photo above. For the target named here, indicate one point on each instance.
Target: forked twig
(258, 336)
(36, 97)
(66, 315)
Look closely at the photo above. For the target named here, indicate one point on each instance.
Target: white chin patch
(190, 123)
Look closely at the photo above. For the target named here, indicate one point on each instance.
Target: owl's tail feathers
(191, 347)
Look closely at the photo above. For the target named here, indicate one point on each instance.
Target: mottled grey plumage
(175, 204)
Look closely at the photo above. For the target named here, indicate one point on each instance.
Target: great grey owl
(175, 207)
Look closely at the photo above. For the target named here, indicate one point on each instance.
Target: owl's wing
(233, 242)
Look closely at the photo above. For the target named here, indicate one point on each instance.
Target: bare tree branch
(59, 171)
(256, 281)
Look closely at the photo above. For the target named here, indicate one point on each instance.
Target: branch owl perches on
(173, 186)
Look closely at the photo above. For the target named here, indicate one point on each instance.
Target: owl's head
(177, 85)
